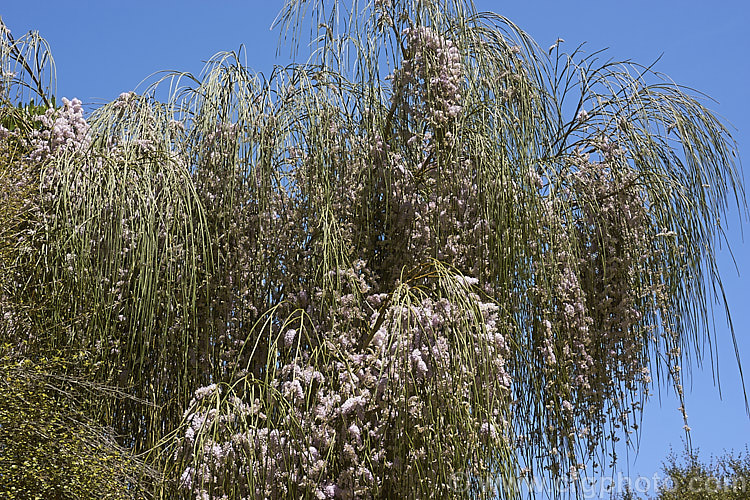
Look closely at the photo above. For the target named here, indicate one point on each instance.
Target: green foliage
(724, 478)
(48, 448)
(21, 218)
(23, 117)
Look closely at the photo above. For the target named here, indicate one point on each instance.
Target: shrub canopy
(432, 258)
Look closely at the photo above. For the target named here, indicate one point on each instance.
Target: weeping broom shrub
(51, 443)
(432, 261)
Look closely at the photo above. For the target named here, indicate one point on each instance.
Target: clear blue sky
(103, 48)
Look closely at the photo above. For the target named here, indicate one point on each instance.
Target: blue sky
(103, 48)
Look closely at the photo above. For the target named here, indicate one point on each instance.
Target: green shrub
(724, 478)
(47, 448)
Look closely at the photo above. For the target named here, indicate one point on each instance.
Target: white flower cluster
(340, 443)
(63, 130)
(586, 339)
(434, 68)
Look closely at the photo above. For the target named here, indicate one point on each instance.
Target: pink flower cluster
(587, 343)
(337, 430)
(62, 130)
(432, 73)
